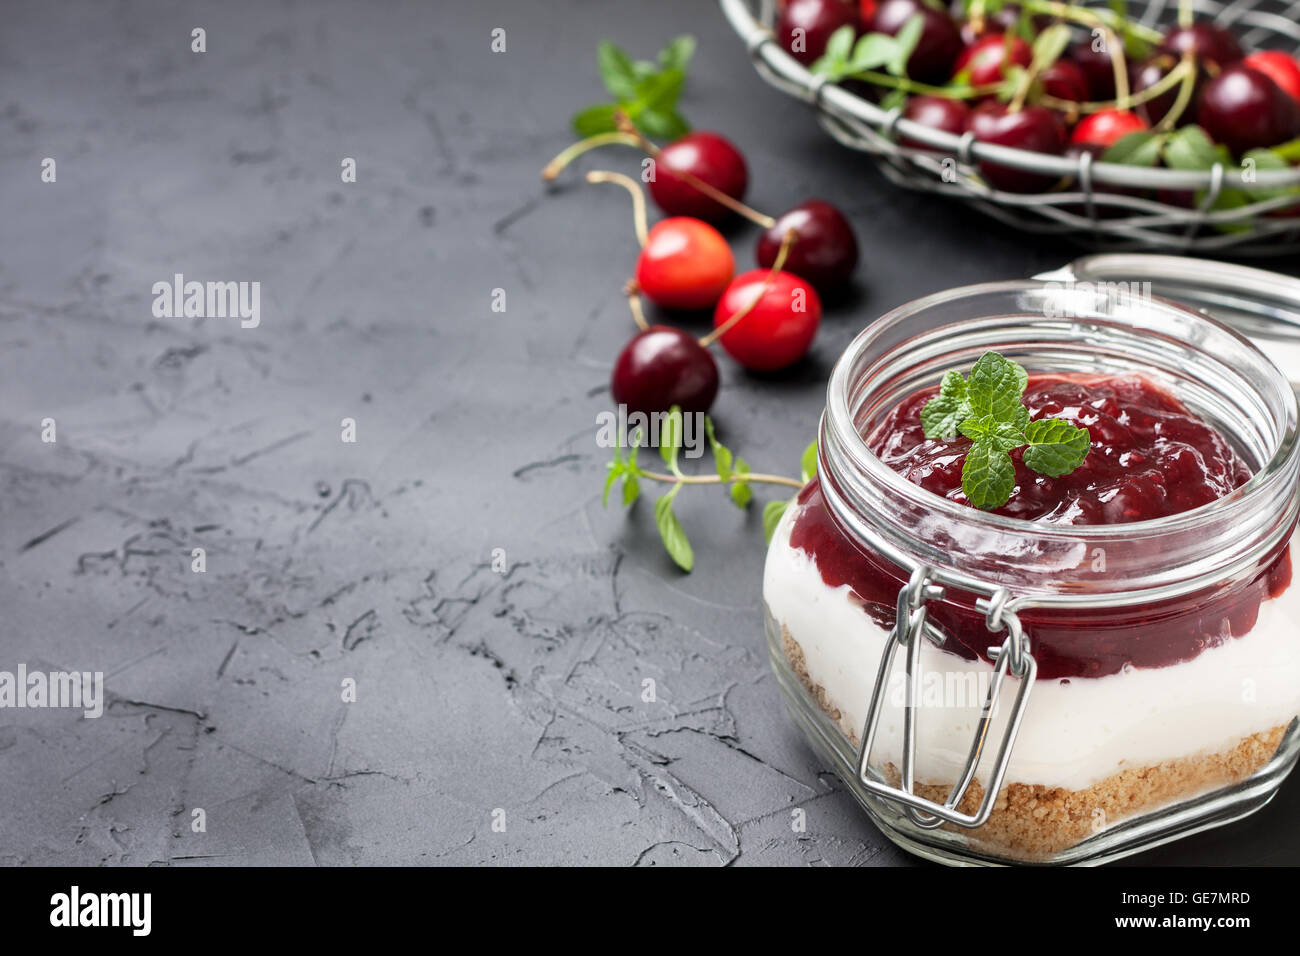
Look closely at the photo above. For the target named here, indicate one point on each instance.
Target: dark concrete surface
(477, 691)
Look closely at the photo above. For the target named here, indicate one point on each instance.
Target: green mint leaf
(834, 62)
(631, 489)
(1056, 447)
(670, 437)
(671, 532)
(1261, 160)
(840, 45)
(1004, 435)
(872, 52)
(595, 119)
(722, 456)
(988, 477)
(657, 94)
(741, 493)
(995, 387)
(773, 511)
(1290, 150)
(1142, 148)
(616, 71)
(943, 414)
(905, 41)
(1050, 44)
(1190, 149)
(616, 469)
(808, 463)
(668, 125)
(677, 54)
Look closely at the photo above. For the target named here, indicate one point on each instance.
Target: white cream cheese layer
(1076, 732)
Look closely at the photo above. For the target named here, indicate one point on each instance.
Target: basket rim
(831, 98)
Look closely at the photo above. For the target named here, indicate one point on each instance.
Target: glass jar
(1031, 692)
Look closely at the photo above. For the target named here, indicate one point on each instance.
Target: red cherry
(1152, 72)
(931, 61)
(1034, 128)
(951, 116)
(814, 21)
(825, 251)
(1097, 68)
(779, 329)
(1065, 80)
(1208, 43)
(685, 264)
(1243, 109)
(707, 156)
(985, 61)
(1278, 67)
(1106, 128)
(867, 10)
(662, 367)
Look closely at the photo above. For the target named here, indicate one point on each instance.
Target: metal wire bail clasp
(1011, 657)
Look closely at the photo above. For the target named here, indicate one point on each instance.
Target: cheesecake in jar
(1109, 659)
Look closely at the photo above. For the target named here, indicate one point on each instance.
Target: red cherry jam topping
(1151, 457)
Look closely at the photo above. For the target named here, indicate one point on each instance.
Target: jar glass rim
(1281, 466)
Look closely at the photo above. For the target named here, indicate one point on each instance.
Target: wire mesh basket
(1129, 215)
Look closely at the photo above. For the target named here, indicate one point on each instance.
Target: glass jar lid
(1262, 305)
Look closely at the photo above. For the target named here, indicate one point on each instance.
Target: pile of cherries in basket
(976, 67)
(764, 318)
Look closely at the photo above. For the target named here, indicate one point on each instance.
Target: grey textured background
(476, 431)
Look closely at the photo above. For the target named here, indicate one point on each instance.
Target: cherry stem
(716, 480)
(633, 292)
(1094, 15)
(1184, 94)
(626, 125)
(787, 241)
(925, 89)
(634, 190)
(570, 153)
(1166, 82)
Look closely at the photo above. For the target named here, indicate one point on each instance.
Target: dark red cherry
(986, 60)
(805, 26)
(1034, 128)
(939, 45)
(779, 329)
(939, 112)
(1243, 109)
(1097, 69)
(1150, 73)
(825, 251)
(707, 156)
(1065, 80)
(662, 367)
(1210, 44)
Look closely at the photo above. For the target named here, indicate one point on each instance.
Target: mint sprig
(988, 408)
(733, 472)
(646, 92)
